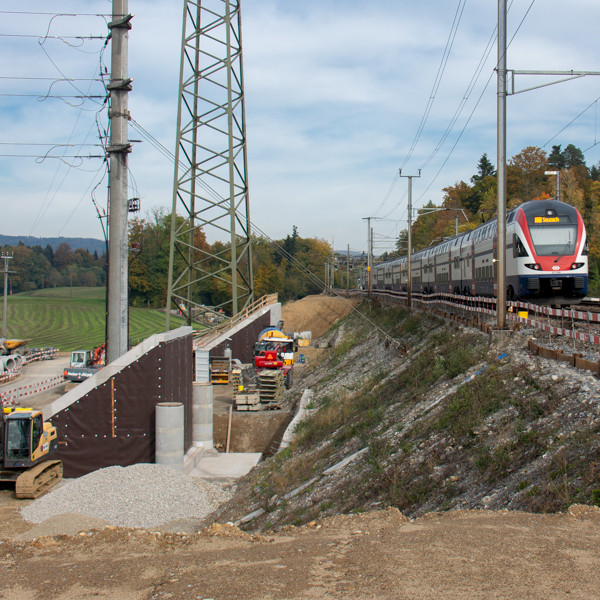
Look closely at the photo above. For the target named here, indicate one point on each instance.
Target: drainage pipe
(202, 415)
(169, 434)
(8, 362)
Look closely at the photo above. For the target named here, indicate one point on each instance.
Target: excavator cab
(26, 443)
(24, 432)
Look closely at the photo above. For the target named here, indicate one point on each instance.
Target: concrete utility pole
(348, 269)
(501, 170)
(119, 146)
(5, 257)
(369, 253)
(409, 261)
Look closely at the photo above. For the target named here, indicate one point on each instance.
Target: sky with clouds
(336, 94)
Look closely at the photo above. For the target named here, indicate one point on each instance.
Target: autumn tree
(525, 178)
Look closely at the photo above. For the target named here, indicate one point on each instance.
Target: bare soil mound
(315, 313)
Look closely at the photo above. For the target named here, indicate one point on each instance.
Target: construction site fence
(204, 338)
(13, 396)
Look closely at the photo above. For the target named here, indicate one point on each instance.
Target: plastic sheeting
(114, 424)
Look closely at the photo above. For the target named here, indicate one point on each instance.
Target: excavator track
(38, 479)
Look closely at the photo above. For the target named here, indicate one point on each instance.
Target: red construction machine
(275, 350)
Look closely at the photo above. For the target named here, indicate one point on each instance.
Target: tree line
(279, 266)
(32, 268)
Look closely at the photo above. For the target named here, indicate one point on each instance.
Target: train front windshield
(554, 240)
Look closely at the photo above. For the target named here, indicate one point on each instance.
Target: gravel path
(142, 495)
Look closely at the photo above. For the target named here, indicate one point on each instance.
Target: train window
(554, 240)
(518, 247)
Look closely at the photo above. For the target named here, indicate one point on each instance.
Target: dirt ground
(377, 555)
(315, 313)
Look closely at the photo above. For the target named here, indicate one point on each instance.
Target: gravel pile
(143, 495)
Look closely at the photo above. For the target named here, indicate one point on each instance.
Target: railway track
(575, 329)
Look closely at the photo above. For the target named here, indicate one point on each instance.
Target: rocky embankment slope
(456, 420)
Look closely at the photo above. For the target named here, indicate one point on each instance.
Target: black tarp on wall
(114, 424)
(242, 342)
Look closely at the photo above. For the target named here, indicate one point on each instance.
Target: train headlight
(534, 266)
(576, 266)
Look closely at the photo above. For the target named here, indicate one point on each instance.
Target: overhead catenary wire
(53, 37)
(276, 246)
(462, 104)
(49, 196)
(53, 14)
(432, 181)
(316, 279)
(594, 103)
(438, 79)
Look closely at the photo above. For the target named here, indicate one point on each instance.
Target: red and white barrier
(11, 396)
(487, 306)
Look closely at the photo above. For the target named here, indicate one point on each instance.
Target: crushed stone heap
(142, 495)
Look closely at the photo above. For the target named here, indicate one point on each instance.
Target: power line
(438, 78)
(43, 158)
(437, 81)
(22, 12)
(54, 96)
(571, 123)
(11, 77)
(474, 108)
(53, 37)
(49, 197)
(45, 144)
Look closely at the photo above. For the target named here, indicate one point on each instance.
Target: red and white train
(546, 259)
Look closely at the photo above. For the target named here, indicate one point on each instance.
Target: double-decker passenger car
(546, 258)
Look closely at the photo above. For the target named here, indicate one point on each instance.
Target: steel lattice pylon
(210, 185)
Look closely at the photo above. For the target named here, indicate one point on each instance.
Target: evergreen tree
(573, 157)
(484, 169)
(556, 160)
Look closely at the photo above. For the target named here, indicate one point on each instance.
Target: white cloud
(335, 92)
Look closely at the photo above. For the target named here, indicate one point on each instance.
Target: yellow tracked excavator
(26, 445)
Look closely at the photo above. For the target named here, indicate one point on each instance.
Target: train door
(495, 263)
(472, 260)
(449, 268)
(455, 275)
(466, 266)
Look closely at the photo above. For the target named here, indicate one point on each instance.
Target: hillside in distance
(90, 244)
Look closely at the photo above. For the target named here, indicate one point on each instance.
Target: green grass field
(73, 318)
